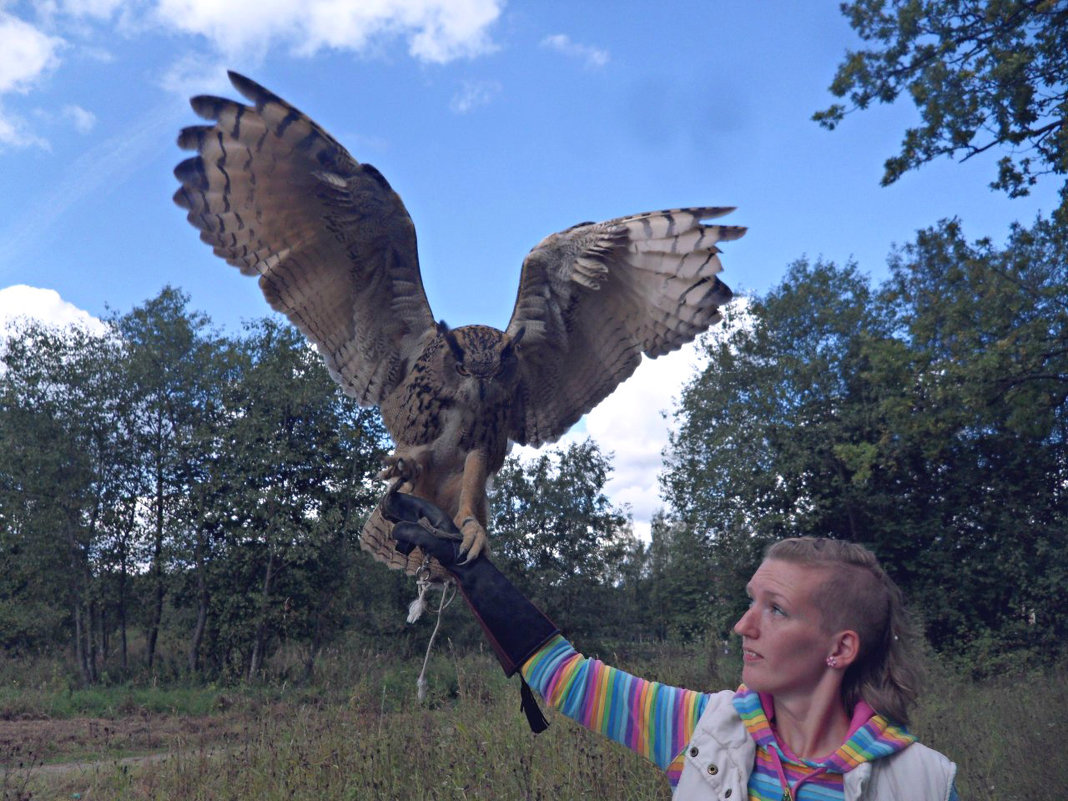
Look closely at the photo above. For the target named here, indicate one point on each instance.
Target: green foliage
(560, 539)
(279, 542)
(177, 367)
(27, 624)
(161, 478)
(64, 477)
(925, 419)
(684, 582)
(179, 504)
(978, 429)
(753, 456)
(982, 75)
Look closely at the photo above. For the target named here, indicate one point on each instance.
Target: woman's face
(784, 645)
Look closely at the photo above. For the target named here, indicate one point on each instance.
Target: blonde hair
(856, 594)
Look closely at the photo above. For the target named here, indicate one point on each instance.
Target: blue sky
(498, 123)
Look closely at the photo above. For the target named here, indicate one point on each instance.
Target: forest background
(182, 506)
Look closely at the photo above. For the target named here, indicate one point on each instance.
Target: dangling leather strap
(530, 708)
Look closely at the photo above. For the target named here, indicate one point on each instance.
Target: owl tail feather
(377, 539)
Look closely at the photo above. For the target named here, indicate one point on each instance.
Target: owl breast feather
(437, 407)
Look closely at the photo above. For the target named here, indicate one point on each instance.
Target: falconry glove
(514, 626)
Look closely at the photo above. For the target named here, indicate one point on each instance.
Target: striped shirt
(657, 721)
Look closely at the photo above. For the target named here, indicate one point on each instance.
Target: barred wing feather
(594, 298)
(276, 196)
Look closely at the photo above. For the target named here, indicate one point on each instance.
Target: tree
(925, 420)
(753, 453)
(978, 429)
(66, 470)
(685, 587)
(161, 477)
(766, 434)
(34, 601)
(982, 74)
(297, 462)
(178, 367)
(558, 536)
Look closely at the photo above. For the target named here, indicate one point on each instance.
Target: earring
(832, 661)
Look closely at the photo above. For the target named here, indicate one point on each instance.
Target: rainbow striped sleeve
(648, 717)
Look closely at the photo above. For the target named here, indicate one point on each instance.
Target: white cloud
(25, 53)
(84, 121)
(455, 29)
(95, 53)
(631, 423)
(437, 31)
(21, 302)
(196, 72)
(594, 57)
(473, 94)
(15, 132)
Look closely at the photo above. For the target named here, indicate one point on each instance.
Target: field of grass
(361, 733)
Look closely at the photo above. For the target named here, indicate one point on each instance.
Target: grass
(108, 702)
(361, 733)
(1006, 735)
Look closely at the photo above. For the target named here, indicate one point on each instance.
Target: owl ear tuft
(450, 338)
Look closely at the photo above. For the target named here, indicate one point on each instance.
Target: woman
(828, 676)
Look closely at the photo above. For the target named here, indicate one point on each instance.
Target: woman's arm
(648, 717)
(651, 718)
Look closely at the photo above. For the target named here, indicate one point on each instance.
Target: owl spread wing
(276, 196)
(594, 298)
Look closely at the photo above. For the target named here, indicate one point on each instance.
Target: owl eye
(461, 369)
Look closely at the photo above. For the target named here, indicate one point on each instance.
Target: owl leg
(472, 514)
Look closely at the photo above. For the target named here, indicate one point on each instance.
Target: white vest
(721, 755)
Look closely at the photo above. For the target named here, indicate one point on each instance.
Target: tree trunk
(77, 600)
(122, 613)
(202, 603)
(157, 567)
(93, 621)
(316, 645)
(261, 629)
(105, 634)
(79, 644)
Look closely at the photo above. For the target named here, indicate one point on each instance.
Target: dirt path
(74, 744)
(75, 768)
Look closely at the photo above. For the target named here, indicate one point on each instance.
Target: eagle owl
(334, 248)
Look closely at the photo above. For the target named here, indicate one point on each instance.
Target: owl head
(482, 359)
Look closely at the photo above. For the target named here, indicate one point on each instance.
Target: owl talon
(403, 472)
(475, 542)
